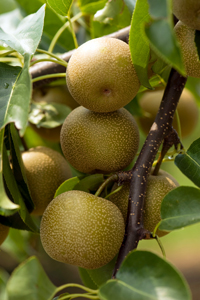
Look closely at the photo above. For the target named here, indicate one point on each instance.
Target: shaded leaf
(158, 9)
(86, 279)
(27, 35)
(6, 206)
(139, 45)
(15, 94)
(163, 41)
(61, 7)
(48, 115)
(29, 281)
(93, 7)
(189, 162)
(180, 208)
(145, 276)
(90, 183)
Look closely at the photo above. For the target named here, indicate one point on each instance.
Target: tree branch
(45, 68)
(140, 172)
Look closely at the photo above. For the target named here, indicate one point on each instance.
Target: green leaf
(145, 276)
(15, 94)
(29, 281)
(27, 35)
(158, 9)
(67, 185)
(3, 280)
(59, 6)
(189, 162)
(9, 21)
(52, 23)
(93, 7)
(86, 279)
(180, 208)
(90, 183)
(163, 41)
(16, 195)
(130, 4)
(6, 206)
(139, 45)
(48, 115)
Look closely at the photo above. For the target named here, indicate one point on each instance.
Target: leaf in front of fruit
(60, 7)
(189, 162)
(159, 9)
(86, 279)
(16, 195)
(26, 37)
(48, 115)
(29, 282)
(18, 167)
(145, 276)
(67, 185)
(139, 45)
(90, 183)
(7, 207)
(163, 41)
(15, 94)
(101, 275)
(180, 208)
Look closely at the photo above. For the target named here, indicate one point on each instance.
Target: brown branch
(140, 172)
(45, 68)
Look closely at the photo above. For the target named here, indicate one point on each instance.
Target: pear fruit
(100, 75)
(4, 230)
(185, 37)
(45, 170)
(157, 187)
(82, 229)
(52, 94)
(187, 110)
(99, 142)
(188, 12)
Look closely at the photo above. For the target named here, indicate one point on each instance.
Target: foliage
(43, 30)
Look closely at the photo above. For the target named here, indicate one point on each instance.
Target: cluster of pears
(188, 12)
(99, 136)
(187, 111)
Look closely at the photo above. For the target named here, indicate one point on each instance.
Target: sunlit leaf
(180, 208)
(189, 162)
(67, 185)
(145, 276)
(27, 35)
(61, 7)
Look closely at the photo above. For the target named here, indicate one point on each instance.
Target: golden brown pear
(99, 142)
(157, 187)
(187, 110)
(100, 75)
(81, 229)
(187, 11)
(45, 169)
(186, 36)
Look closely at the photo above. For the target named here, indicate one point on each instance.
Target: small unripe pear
(157, 187)
(100, 75)
(99, 142)
(45, 169)
(82, 229)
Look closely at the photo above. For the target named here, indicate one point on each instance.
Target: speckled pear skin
(4, 230)
(99, 142)
(157, 187)
(45, 169)
(100, 75)
(81, 229)
(188, 12)
(186, 36)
